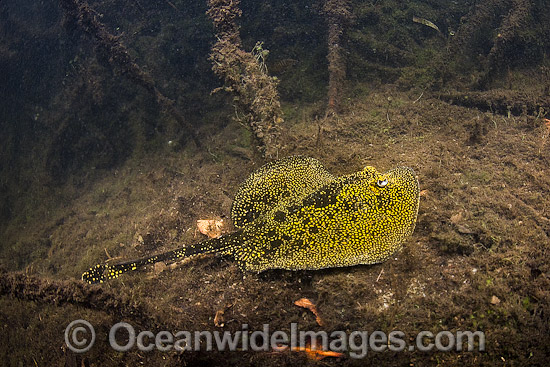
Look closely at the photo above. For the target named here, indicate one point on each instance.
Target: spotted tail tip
(95, 275)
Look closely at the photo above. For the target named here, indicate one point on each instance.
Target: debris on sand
(212, 228)
(306, 303)
(219, 319)
(311, 352)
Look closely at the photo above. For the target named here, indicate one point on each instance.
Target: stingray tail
(103, 272)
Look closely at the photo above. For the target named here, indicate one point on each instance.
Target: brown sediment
(245, 75)
(482, 231)
(78, 14)
(337, 15)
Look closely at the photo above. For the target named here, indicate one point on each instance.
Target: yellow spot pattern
(293, 214)
(362, 218)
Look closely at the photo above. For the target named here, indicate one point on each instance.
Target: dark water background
(64, 104)
(90, 162)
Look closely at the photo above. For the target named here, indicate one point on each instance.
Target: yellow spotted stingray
(293, 214)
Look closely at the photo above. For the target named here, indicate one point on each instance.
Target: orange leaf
(306, 303)
(312, 353)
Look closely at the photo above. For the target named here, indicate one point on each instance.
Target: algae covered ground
(98, 164)
(478, 259)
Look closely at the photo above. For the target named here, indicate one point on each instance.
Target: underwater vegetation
(128, 127)
(245, 75)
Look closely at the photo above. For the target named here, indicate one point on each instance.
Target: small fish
(426, 22)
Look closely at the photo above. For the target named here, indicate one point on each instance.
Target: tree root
(504, 102)
(511, 16)
(59, 293)
(337, 15)
(245, 75)
(78, 14)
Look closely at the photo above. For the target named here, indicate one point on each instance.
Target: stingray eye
(382, 183)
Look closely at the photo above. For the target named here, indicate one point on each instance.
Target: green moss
(526, 303)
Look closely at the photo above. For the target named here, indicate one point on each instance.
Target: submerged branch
(78, 14)
(59, 293)
(245, 75)
(337, 15)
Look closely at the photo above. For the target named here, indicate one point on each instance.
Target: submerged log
(501, 101)
(79, 15)
(337, 15)
(245, 76)
(63, 292)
